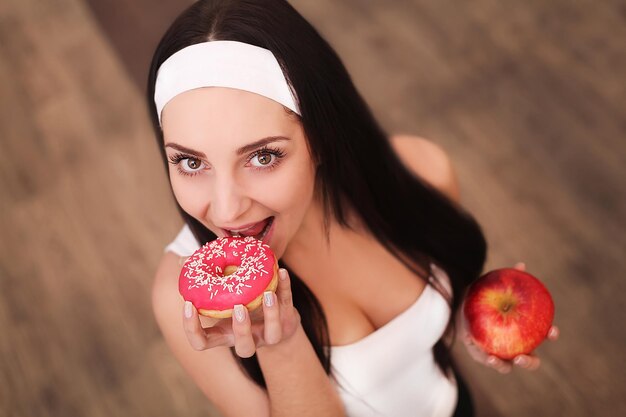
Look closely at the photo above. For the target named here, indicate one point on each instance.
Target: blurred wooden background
(528, 98)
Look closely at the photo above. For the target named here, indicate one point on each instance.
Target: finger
(504, 367)
(202, 338)
(529, 362)
(521, 266)
(477, 354)
(244, 342)
(553, 333)
(484, 358)
(272, 329)
(284, 289)
(474, 351)
(467, 338)
(193, 328)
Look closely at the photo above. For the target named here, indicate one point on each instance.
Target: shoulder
(164, 290)
(215, 371)
(429, 161)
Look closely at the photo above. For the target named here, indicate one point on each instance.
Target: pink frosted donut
(228, 271)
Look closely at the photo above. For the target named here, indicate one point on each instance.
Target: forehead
(223, 112)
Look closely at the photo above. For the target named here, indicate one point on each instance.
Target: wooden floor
(529, 99)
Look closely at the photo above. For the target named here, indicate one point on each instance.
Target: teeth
(266, 229)
(259, 236)
(238, 232)
(242, 230)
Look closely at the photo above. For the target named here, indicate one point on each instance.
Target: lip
(270, 232)
(243, 228)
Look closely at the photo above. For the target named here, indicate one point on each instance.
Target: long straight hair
(357, 167)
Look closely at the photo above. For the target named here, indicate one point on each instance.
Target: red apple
(509, 312)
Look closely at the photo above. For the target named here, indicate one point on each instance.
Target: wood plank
(528, 99)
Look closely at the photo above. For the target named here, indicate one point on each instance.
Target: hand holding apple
(506, 315)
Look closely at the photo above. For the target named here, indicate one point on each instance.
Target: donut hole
(230, 269)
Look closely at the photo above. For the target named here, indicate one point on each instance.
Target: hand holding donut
(246, 331)
(530, 361)
(228, 279)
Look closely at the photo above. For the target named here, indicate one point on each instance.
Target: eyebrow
(243, 150)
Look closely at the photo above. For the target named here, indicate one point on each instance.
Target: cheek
(189, 195)
(290, 190)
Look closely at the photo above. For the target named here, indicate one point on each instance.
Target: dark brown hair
(357, 166)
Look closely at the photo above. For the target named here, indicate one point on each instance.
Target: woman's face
(236, 159)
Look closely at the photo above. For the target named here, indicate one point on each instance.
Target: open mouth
(258, 231)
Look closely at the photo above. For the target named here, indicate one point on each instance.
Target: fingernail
(239, 313)
(491, 360)
(188, 309)
(282, 273)
(268, 298)
(520, 360)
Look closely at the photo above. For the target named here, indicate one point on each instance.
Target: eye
(264, 159)
(186, 165)
(192, 163)
(267, 158)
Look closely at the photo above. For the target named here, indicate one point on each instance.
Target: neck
(310, 250)
(310, 238)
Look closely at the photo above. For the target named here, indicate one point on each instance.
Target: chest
(361, 291)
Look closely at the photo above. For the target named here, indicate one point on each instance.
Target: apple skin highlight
(509, 312)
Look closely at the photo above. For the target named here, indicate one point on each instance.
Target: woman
(263, 133)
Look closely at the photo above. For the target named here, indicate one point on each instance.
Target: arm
(297, 384)
(296, 381)
(214, 371)
(431, 163)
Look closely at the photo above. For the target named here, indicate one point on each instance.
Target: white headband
(222, 64)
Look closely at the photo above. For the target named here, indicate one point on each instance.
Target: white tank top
(390, 372)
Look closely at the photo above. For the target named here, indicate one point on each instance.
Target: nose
(228, 201)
